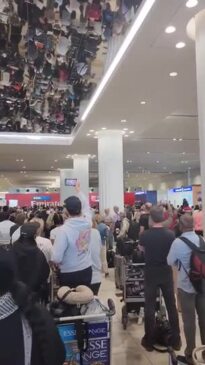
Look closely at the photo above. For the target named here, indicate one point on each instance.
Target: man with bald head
(190, 300)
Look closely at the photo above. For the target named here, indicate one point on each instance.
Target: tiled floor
(126, 348)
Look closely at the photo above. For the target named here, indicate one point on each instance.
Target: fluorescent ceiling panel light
(128, 39)
(170, 29)
(180, 45)
(143, 102)
(191, 3)
(173, 74)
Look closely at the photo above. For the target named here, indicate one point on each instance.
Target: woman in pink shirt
(198, 220)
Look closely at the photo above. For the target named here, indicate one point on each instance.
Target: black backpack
(133, 231)
(197, 264)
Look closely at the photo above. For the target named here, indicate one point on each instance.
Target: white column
(200, 68)
(80, 172)
(189, 177)
(110, 161)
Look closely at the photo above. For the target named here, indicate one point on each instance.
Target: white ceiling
(170, 110)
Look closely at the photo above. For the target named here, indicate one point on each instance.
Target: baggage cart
(95, 342)
(54, 285)
(119, 263)
(133, 291)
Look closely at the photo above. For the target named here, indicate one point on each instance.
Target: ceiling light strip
(134, 29)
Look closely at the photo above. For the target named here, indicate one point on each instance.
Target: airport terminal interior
(102, 182)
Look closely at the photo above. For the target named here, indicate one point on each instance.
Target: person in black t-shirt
(144, 218)
(156, 243)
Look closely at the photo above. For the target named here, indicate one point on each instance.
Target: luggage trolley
(133, 290)
(95, 333)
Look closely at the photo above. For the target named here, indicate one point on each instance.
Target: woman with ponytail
(28, 335)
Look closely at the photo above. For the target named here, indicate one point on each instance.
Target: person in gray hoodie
(71, 250)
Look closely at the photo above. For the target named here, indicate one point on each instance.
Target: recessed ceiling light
(139, 20)
(183, 153)
(143, 102)
(180, 139)
(173, 74)
(55, 160)
(131, 132)
(91, 130)
(191, 3)
(103, 128)
(180, 45)
(126, 135)
(174, 139)
(125, 129)
(123, 121)
(170, 29)
(17, 160)
(88, 134)
(21, 160)
(148, 153)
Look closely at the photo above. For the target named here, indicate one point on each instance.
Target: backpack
(197, 263)
(133, 231)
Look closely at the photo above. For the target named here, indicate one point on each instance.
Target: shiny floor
(126, 348)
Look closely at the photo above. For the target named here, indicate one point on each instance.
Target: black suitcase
(110, 258)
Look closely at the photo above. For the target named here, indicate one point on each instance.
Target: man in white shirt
(5, 226)
(191, 301)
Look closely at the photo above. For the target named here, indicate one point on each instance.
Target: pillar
(196, 30)
(110, 165)
(189, 177)
(80, 171)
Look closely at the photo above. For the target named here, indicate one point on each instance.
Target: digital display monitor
(70, 182)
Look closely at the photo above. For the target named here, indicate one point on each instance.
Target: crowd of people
(74, 241)
(47, 51)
